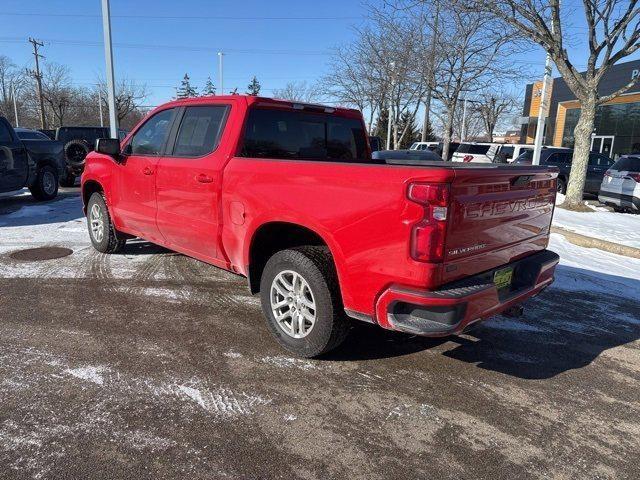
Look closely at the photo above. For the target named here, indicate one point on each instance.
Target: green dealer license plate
(502, 278)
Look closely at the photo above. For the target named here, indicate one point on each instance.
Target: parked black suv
(35, 164)
(78, 142)
(561, 158)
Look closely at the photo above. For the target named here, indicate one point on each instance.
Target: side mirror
(108, 146)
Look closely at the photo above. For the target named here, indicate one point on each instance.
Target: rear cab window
(302, 135)
(200, 130)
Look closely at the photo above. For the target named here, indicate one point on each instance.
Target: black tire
(75, 151)
(562, 186)
(331, 326)
(110, 241)
(68, 179)
(46, 184)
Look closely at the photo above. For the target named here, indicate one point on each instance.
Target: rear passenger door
(598, 164)
(189, 180)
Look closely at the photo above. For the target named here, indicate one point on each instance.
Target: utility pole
(38, 76)
(100, 106)
(220, 55)
(111, 79)
(432, 58)
(15, 105)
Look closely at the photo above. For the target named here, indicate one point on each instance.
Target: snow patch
(90, 374)
(288, 362)
(222, 401)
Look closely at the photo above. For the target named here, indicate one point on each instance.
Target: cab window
(152, 136)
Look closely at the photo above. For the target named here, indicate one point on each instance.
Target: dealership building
(617, 122)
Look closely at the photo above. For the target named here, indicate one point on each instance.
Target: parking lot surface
(149, 364)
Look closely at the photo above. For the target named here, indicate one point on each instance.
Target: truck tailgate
(497, 215)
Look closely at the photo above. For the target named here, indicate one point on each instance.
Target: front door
(134, 202)
(602, 144)
(14, 167)
(189, 180)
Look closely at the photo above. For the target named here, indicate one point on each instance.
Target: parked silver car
(620, 186)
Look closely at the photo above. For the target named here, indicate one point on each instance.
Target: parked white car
(490, 152)
(423, 145)
(475, 152)
(620, 186)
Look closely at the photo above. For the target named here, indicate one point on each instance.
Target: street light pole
(15, 105)
(390, 108)
(100, 107)
(432, 57)
(111, 80)
(220, 72)
(464, 121)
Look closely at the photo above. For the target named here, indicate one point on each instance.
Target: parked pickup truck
(36, 164)
(287, 195)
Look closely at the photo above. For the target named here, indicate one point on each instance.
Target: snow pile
(622, 228)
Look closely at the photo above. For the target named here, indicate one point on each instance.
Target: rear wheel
(102, 232)
(301, 301)
(46, 184)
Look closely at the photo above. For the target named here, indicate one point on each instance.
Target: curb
(590, 242)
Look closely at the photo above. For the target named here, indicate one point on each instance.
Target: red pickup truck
(287, 195)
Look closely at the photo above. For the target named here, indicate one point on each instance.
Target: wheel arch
(274, 236)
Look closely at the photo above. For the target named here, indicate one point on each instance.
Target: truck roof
(263, 101)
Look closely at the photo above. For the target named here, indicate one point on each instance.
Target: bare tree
(493, 107)
(612, 33)
(296, 91)
(470, 45)
(12, 80)
(57, 91)
(129, 97)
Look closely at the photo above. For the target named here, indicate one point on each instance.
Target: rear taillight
(635, 176)
(428, 235)
(607, 174)
(467, 158)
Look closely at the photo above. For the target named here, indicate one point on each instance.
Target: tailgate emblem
(521, 180)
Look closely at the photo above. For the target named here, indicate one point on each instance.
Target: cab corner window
(200, 130)
(151, 137)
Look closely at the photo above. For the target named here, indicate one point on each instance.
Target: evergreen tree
(186, 90)
(380, 129)
(253, 87)
(431, 136)
(413, 134)
(209, 87)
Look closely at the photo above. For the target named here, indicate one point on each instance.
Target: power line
(91, 43)
(185, 17)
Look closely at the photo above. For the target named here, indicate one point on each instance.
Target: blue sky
(158, 51)
(275, 50)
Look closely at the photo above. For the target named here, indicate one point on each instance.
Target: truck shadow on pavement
(24, 210)
(561, 330)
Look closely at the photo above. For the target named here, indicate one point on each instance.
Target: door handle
(147, 171)
(203, 178)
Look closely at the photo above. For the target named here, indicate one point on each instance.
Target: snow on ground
(622, 228)
(590, 269)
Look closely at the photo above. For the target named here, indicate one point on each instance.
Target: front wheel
(102, 232)
(46, 184)
(301, 301)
